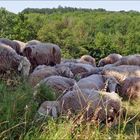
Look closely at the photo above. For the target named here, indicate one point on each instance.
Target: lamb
(43, 71)
(88, 59)
(130, 88)
(43, 53)
(94, 105)
(59, 84)
(110, 59)
(9, 60)
(11, 43)
(97, 82)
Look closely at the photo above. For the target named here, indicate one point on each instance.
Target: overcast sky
(17, 6)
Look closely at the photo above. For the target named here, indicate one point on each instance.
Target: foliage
(18, 120)
(77, 31)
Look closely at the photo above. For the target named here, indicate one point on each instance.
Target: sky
(19, 5)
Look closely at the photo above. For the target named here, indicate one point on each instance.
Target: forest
(77, 31)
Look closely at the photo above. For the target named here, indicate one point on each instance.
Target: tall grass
(18, 119)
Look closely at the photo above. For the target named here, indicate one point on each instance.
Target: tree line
(77, 31)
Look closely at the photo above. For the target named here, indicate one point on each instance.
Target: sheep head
(101, 63)
(49, 108)
(24, 66)
(112, 84)
(65, 71)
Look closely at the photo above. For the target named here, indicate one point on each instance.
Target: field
(18, 118)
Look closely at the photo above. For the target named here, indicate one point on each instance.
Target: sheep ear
(53, 51)
(54, 112)
(27, 51)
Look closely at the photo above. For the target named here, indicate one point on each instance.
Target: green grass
(18, 119)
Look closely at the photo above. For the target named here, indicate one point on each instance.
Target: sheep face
(101, 63)
(24, 66)
(65, 71)
(112, 84)
(49, 108)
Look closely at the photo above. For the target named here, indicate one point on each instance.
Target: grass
(18, 110)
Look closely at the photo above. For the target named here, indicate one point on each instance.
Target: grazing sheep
(97, 82)
(64, 71)
(110, 59)
(58, 84)
(69, 61)
(100, 106)
(43, 71)
(22, 45)
(32, 42)
(49, 107)
(80, 69)
(9, 60)
(88, 59)
(130, 88)
(43, 53)
(122, 72)
(39, 67)
(128, 60)
(85, 59)
(11, 43)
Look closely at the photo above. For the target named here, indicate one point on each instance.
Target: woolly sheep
(9, 59)
(128, 60)
(32, 42)
(58, 84)
(43, 71)
(43, 53)
(110, 59)
(97, 82)
(130, 88)
(11, 43)
(21, 44)
(80, 69)
(122, 72)
(88, 59)
(85, 59)
(97, 105)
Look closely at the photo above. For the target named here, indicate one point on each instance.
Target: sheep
(43, 53)
(22, 45)
(110, 59)
(11, 43)
(39, 67)
(43, 71)
(98, 82)
(88, 59)
(130, 88)
(80, 69)
(49, 107)
(122, 72)
(59, 84)
(69, 61)
(32, 42)
(85, 59)
(92, 104)
(9, 59)
(128, 60)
